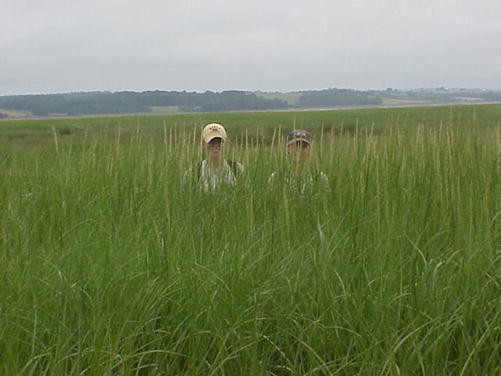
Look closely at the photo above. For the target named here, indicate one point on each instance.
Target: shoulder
(195, 170)
(235, 166)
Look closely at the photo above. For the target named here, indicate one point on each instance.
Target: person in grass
(300, 172)
(215, 170)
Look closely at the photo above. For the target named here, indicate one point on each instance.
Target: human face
(299, 150)
(214, 147)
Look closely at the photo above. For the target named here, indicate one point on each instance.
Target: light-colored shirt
(209, 179)
(300, 183)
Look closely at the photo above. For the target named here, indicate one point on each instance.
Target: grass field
(110, 265)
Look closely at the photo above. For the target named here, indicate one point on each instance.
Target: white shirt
(210, 179)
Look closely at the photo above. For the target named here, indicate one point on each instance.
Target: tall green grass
(110, 264)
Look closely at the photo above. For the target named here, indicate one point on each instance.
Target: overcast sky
(51, 46)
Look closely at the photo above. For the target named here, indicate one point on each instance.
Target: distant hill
(128, 102)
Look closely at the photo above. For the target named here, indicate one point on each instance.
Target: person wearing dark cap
(215, 170)
(300, 173)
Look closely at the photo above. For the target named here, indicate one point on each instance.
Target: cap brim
(211, 137)
(300, 139)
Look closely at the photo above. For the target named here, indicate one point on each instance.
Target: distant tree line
(338, 97)
(129, 102)
(443, 95)
(95, 103)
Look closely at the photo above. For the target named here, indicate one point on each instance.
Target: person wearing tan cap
(215, 169)
(299, 173)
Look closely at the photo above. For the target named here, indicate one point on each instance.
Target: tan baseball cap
(213, 130)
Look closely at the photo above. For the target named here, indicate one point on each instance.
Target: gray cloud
(59, 46)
